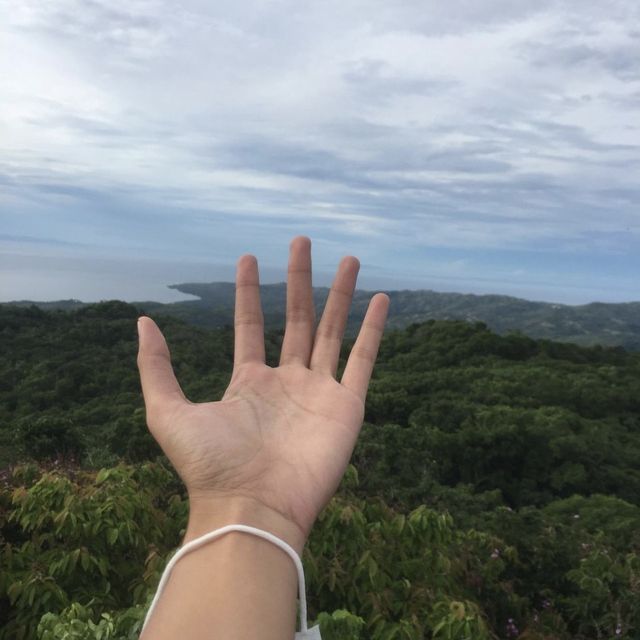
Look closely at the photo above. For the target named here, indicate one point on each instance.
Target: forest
(494, 492)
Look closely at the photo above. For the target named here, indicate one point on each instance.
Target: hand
(276, 446)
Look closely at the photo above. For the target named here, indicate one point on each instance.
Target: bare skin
(270, 454)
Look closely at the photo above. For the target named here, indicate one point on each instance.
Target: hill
(596, 323)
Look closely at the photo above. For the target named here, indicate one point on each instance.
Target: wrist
(209, 513)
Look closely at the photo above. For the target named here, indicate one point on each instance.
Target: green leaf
(112, 536)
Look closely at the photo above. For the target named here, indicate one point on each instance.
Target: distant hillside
(63, 305)
(595, 323)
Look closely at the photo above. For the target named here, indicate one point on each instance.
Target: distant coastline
(609, 324)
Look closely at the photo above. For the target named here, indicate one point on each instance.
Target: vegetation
(589, 324)
(495, 491)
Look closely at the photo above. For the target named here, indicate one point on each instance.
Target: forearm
(236, 587)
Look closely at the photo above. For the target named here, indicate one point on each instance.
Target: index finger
(359, 367)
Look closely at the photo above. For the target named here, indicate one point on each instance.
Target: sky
(479, 147)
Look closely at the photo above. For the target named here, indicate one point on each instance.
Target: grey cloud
(113, 36)
(491, 201)
(82, 125)
(374, 82)
(392, 154)
(629, 100)
(547, 132)
(620, 60)
(487, 188)
(433, 17)
(68, 190)
(91, 18)
(6, 179)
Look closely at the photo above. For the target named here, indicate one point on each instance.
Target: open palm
(281, 435)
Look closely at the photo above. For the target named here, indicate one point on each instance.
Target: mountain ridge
(608, 324)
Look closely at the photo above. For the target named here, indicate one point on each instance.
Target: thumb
(159, 385)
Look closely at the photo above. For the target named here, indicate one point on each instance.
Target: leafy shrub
(82, 553)
(80, 537)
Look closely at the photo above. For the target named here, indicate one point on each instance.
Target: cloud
(454, 126)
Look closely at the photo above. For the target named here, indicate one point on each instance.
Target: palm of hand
(280, 435)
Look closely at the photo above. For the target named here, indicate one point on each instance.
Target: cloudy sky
(488, 146)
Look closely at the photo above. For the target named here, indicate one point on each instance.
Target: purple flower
(512, 629)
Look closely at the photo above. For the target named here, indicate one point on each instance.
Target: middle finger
(301, 316)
